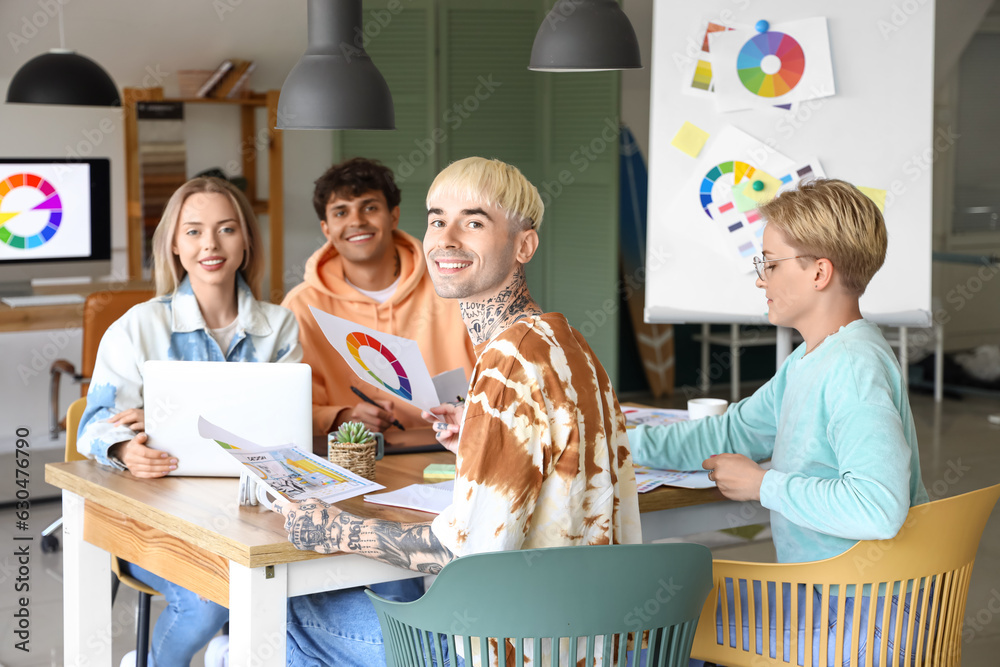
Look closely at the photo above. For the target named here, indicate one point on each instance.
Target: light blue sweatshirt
(837, 426)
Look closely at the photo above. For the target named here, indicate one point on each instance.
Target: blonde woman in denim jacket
(208, 270)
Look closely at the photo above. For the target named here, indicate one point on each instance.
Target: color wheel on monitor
(358, 340)
(770, 64)
(43, 216)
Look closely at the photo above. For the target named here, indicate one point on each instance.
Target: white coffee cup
(706, 407)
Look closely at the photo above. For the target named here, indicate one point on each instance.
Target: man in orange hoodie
(370, 272)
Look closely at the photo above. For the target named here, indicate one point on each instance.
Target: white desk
(191, 531)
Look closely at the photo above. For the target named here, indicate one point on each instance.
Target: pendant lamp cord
(62, 36)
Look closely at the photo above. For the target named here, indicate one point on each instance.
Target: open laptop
(267, 403)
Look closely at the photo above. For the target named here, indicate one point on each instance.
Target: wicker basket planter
(355, 448)
(358, 457)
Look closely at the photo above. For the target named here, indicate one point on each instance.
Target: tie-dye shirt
(543, 459)
(172, 327)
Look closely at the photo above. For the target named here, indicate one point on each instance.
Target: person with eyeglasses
(835, 420)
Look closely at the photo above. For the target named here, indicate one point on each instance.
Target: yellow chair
(73, 416)
(927, 566)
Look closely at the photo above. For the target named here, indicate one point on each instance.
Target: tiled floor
(953, 437)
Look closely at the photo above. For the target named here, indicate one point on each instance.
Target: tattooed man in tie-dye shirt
(542, 456)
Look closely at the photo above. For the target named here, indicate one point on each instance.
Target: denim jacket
(172, 327)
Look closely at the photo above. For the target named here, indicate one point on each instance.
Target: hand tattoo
(311, 527)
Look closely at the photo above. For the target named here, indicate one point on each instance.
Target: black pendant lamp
(585, 36)
(62, 76)
(335, 85)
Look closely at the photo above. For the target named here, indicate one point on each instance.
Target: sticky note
(439, 472)
(876, 195)
(690, 139)
(742, 202)
(765, 194)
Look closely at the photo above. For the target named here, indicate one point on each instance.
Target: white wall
(146, 44)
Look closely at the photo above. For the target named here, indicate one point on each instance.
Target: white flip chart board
(875, 130)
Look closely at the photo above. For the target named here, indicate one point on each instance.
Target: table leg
(87, 629)
(258, 604)
(938, 362)
(734, 371)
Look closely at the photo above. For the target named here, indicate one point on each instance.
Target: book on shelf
(230, 78)
(241, 83)
(213, 81)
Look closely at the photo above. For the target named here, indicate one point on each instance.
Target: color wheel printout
(788, 63)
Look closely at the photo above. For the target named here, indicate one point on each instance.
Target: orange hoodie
(415, 311)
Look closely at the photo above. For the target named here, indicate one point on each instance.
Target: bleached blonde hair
(490, 182)
(832, 219)
(167, 270)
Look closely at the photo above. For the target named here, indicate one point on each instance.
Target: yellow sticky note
(766, 192)
(690, 139)
(876, 195)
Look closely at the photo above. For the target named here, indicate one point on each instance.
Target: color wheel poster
(716, 210)
(788, 63)
(390, 363)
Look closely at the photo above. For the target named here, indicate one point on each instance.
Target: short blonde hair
(491, 183)
(831, 218)
(167, 270)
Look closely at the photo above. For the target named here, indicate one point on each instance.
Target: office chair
(927, 568)
(100, 309)
(589, 603)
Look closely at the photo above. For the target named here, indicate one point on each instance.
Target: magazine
(288, 471)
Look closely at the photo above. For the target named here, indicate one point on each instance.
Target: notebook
(272, 402)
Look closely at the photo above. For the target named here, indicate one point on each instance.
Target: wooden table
(192, 532)
(65, 316)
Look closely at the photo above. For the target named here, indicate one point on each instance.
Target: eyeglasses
(759, 263)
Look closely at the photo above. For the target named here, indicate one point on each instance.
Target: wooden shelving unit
(273, 206)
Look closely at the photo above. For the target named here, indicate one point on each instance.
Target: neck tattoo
(513, 302)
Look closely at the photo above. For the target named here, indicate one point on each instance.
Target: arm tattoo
(412, 546)
(512, 303)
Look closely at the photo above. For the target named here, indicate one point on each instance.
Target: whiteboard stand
(784, 346)
(735, 342)
(784, 340)
(900, 341)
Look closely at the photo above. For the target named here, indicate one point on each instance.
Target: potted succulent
(354, 447)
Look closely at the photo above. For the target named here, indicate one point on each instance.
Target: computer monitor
(55, 220)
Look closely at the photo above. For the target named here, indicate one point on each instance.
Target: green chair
(573, 604)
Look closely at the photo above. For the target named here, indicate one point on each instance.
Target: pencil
(361, 395)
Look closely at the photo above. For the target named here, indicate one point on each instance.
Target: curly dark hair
(352, 179)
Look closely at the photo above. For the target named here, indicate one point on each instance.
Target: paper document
(391, 363)
(652, 416)
(289, 471)
(647, 479)
(432, 498)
